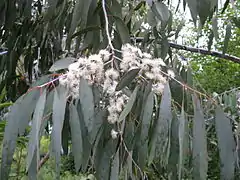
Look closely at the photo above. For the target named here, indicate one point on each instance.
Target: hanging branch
(197, 50)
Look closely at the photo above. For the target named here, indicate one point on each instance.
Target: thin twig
(43, 160)
(106, 23)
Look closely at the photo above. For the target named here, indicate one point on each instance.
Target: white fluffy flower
(114, 134)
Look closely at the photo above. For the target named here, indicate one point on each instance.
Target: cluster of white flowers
(93, 70)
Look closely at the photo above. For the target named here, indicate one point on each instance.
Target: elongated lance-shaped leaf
(17, 121)
(115, 167)
(59, 106)
(227, 37)
(33, 145)
(62, 64)
(146, 121)
(200, 156)
(226, 144)
(87, 104)
(183, 142)
(127, 78)
(77, 144)
(160, 139)
(122, 30)
(129, 105)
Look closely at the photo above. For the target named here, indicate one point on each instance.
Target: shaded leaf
(115, 167)
(200, 156)
(62, 64)
(33, 145)
(77, 144)
(122, 30)
(59, 106)
(129, 105)
(161, 11)
(227, 37)
(87, 104)
(127, 78)
(215, 27)
(192, 4)
(226, 144)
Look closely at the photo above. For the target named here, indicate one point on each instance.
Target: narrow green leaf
(59, 106)
(129, 105)
(77, 144)
(200, 156)
(122, 30)
(115, 167)
(227, 37)
(62, 64)
(226, 144)
(127, 78)
(204, 10)
(87, 104)
(33, 145)
(160, 139)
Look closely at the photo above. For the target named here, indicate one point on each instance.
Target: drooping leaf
(161, 11)
(183, 142)
(79, 17)
(62, 64)
(115, 167)
(127, 78)
(122, 30)
(200, 156)
(17, 121)
(215, 27)
(192, 4)
(77, 144)
(33, 145)
(146, 122)
(87, 104)
(204, 10)
(226, 144)
(59, 106)
(227, 37)
(129, 105)
(160, 137)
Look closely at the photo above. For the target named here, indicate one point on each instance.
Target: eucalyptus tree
(112, 87)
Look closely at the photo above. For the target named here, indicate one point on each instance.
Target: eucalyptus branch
(197, 50)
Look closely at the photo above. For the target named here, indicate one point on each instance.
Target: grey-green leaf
(33, 145)
(58, 114)
(215, 27)
(226, 144)
(62, 64)
(200, 156)
(129, 105)
(115, 167)
(161, 11)
(160, 139)
(17, 121)
(87, 104)
(77, 144)
(127, 78)
(227, 37)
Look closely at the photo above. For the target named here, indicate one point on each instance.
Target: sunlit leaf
(226, 144)
(215, 27)
(59, 106)
(33, 145)
(129, 105)
(200, 156)
(77, 145)
(127, 78)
